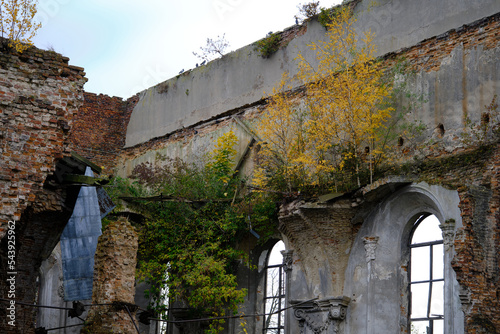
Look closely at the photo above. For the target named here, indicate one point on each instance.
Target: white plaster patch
(317, 291)
(262, 259)
(382, 273)
(358, 274)
(357, 298)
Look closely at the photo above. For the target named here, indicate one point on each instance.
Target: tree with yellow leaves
(284, 148)
(335, 129)
(17, 22)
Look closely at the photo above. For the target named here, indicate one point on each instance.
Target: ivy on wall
(188, 244)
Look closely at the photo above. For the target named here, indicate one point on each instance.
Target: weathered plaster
(241, 77)
(386, 302)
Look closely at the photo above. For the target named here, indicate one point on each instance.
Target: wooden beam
(86, 162)
(84, 180)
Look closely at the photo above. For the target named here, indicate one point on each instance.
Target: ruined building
(346, 265)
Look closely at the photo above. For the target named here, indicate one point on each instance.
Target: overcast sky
(126, 46)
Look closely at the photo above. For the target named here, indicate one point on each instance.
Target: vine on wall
(188, 244)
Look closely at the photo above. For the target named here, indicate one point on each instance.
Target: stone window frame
(377, 272)
(450, 296)
(280, 329)
(432, 280)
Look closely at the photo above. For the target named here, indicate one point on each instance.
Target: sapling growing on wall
(333, 134)
(17, 22)
(214, 48)
(269, 44)
(307, 11)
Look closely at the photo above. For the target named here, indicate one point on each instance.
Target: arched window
(274, 300)
(427, 277)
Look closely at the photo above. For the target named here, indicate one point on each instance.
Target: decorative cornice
(287, 260)
(320, 316)
(370, 247)
(448, 230)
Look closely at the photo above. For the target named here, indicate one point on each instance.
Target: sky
(127, 46)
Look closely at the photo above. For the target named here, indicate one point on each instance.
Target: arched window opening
(427, 277)
(163, 327)
(274, 300)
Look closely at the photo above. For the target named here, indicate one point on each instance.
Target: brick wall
(475, 174)
(45, 114)
(39, 94)
(477, 245)
(98, 132)
(428, 54)
(114, 280)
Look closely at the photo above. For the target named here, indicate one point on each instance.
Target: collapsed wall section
(98, 132)
(39, 96)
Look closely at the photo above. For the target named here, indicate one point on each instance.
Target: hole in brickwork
(440, 130)
(485, 118)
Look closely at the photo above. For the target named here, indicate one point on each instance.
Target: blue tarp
(79, 243)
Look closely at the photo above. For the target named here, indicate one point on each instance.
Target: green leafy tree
(189, 243)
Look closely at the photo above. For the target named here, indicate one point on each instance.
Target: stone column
(453, 315)
(287, 266)
(114, 281)
(370, 247)
(322, 316)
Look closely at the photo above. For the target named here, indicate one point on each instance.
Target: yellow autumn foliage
(17, 22)
(221, 158)
(334, 127)
(284, 148)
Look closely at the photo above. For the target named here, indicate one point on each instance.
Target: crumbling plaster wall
(241, 77)
(194, 144)
(453, 46)
(456, 74)
(464, 189)
(378, 283)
